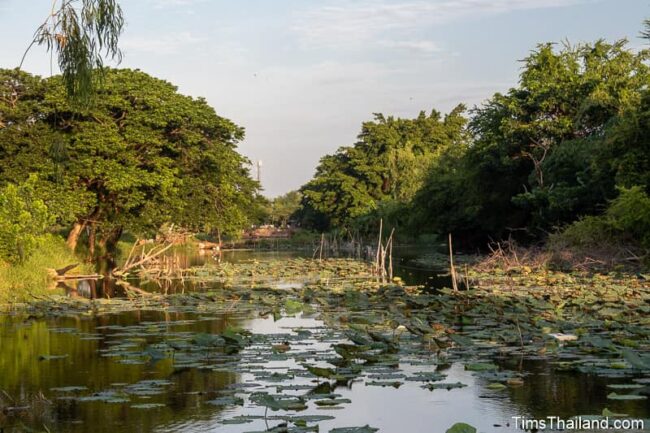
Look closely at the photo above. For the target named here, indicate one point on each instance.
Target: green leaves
(461, 428)
(81, 38)
(23, 218)
(142, 155)
(481, 366)
(382, 171)
(278, 402)
(364, 429)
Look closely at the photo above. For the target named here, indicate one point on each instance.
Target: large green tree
(140, 156)
(539, 152)
(383, 170)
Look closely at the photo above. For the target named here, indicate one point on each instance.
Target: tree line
(568, 146)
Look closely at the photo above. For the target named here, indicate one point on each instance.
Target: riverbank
(23, 281)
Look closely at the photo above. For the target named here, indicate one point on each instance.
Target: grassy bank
(20, 282)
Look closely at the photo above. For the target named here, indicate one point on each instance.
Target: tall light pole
(259, 171)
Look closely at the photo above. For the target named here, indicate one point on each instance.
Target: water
(41, 354)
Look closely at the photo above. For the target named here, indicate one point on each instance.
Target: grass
(19, 282)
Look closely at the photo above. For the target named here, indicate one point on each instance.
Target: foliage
(443, 203)
(549, 151)
(387, 164)
(81, 37)
(141, 156)
(629, 214)
(23, 218)
(282, 208)
(625, 221)
(461, 428)
(645, 33)
(536, 148)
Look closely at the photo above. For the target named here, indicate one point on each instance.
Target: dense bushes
(626, 221)
(22, 281)
(23, 220)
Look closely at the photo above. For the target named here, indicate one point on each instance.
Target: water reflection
(406, 266)
(30, 368)
(40, 354)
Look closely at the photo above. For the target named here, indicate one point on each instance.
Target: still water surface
(52, 361)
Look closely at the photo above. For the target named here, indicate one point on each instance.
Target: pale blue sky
(301, 75)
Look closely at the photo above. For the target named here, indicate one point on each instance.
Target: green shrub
(23, 218)
(586, 232)
(626, 221)
(629, 215)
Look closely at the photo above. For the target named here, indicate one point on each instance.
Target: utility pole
(259, 171)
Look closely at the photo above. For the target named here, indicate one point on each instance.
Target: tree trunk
(73, 236)
(91, 241)
(108, 244)
(109, 241)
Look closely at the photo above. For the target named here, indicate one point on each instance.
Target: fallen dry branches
(146, 258)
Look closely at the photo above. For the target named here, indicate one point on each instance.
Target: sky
(302, 75)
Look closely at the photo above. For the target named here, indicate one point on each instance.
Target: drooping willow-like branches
(81, 33)
(645, 33)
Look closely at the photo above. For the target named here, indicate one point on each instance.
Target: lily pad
(461, 427)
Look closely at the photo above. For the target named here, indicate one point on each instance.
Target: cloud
(161, 44)
(353, 23)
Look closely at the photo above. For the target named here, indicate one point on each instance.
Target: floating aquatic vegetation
(364, 429)
(147, 406)
(226, 401)
(368, 333)
(461, 428)
(278, 401)
(447, 386)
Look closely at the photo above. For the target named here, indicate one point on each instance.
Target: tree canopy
(387, 164)
(141, 156)
(281, 209)
(554, 148)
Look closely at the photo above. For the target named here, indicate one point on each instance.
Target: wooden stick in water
(454, 283)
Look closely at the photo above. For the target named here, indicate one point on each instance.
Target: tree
(282, 208)
(140, 156)
(81, 37)
(549, 150)
(388, 164)
(526, 140)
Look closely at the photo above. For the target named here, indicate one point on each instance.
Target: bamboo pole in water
(322, 240)
(452, 269)
(390, 255)
(378, 255)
